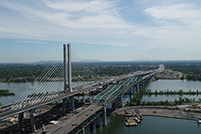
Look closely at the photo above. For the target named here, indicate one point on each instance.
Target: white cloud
(102, 22)
(92, 7)
(72, 14)
(186, 13)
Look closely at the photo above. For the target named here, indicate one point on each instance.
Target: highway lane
(75, 121)
(33, 106)
(76, 91)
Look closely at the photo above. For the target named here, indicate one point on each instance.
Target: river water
(174, 85)
(20, 88)
(149, 125)
(157, 125)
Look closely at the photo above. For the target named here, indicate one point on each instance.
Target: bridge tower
(67, 75)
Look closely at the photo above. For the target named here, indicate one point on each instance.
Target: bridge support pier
(138, 87)
(132, 90)
(116, 103)
(83, 131)
(87, 129)
(104, 117)
(122, 104)
(20, 121)
(98, 122)
(64, 103)
(33, 127)
(94, 124)
(72, 102)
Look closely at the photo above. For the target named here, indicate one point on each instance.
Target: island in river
(5, 92)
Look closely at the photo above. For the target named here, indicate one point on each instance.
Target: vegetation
(167, 92)
(5, 92)
(180, 101)
(138, 96)
(138, 102)
(97, 70)
(20, 72)
(80, 72)
(190, 69)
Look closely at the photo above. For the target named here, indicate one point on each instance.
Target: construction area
(180, 111)
(46, 117)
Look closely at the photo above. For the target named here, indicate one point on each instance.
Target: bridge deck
(75, 121)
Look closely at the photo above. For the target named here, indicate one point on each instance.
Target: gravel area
(161, 111)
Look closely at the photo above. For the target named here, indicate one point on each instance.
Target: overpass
(76, 91)
(125, 82)
(91, 115)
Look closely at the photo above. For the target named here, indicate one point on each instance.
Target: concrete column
(94, 124)
(20, 121)
(135, 88)
(64, 103)
(69, 68)
(72, 102)
(104, 117)
(98, 121)
(87, 129)
(138, 87)
(122, 104)
(65, 69)
(130, 90)
(83, 131)
(33, 127)
(116, 102)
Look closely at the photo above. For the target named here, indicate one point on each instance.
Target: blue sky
(109, 30)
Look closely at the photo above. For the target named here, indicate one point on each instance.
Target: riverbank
(179, 111)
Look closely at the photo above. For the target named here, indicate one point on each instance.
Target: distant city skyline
(106, 30)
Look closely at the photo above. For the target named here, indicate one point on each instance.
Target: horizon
(107, 30)
(99, 61)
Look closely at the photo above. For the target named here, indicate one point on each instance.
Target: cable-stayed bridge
(63, 72)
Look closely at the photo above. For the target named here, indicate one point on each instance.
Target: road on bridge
(75, 121)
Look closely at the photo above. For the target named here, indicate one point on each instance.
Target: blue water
(157, 125)
(20, 88)
(150, 125)
(174, 85)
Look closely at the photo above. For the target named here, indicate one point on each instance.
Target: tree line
(180, 101)
(167, 92)
(190, 69)
(80, 72)
(5, 92)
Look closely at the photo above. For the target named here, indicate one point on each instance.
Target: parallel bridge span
(100, 101)
(65, 95)
(124, 83)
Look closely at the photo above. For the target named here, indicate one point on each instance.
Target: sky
(107, 30)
